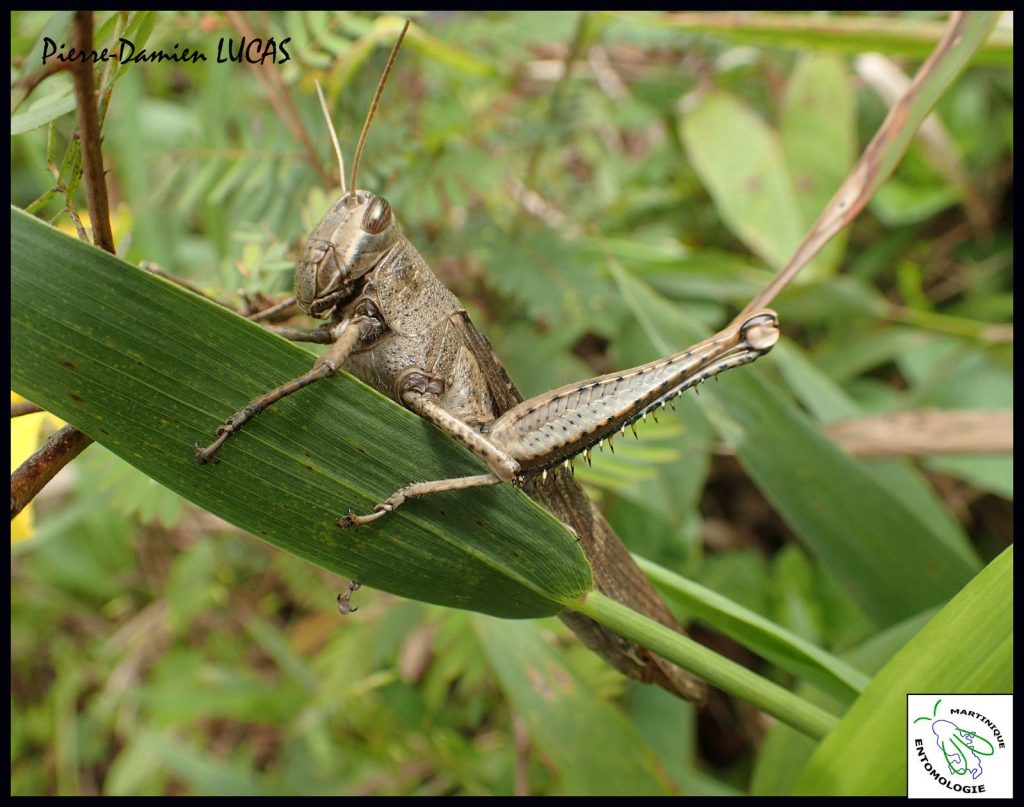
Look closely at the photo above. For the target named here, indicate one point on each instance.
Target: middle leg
(417, 395)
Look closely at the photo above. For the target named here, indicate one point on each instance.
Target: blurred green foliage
(155, 650)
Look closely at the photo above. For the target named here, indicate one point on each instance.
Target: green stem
(941, 323)
(721, 672)
(774, 643)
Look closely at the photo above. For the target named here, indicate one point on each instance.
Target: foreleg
(347, 336)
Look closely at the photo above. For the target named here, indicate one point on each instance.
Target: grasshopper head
(348, 242)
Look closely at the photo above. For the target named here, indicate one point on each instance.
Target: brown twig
(919, 433)
(72, 212)
(998, 333)
(878, 161)
(89, 126)
(280, 98)
(35, 472)
(886, 78)
(24, 408)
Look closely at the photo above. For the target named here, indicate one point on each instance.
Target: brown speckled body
(395, 326)
(428, 330)
(422, 333)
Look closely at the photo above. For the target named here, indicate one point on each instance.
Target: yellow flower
(120, 223)
(26, 437)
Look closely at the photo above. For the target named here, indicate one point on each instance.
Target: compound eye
(377, 216)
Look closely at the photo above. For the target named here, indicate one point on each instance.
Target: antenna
(334, 136)
(376, 100)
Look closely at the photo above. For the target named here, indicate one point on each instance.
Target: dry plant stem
(886, 78)
(273, 311)
(35, 472)
(921, 433)
(280, 98)
(998, 333)
(154, 269)
(88, 125)
(75, 218)
(779, 22)
(531, 202)
(30, 82)
(926, 432)
(267, 313)
(24, 408)
(875, 166)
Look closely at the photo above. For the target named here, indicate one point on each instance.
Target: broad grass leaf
(967, 647)
(817, 128)
(148, 369)
(740, 160)
(593, 745)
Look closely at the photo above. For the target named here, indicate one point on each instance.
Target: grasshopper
(392, 324)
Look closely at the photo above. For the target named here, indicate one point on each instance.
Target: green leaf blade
(740, 161)
(967, 647)
(147, 369)
(42, 112)
(593, 745)
(817, 130)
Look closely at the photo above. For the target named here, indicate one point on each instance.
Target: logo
(958, 746)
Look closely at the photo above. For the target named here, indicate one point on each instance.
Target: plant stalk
(720, 672)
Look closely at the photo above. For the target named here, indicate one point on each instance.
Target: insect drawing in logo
(955, 745)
